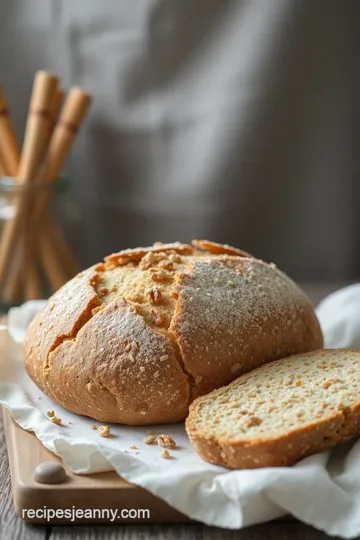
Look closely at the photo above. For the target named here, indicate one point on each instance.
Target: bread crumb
(50, 414)
(55, 420)
(149, 432)
(150, 439)
(103, 431)
(166, 441)
(165, 454)
(93, 427)
(133, 447)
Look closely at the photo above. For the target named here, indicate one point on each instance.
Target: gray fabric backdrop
(231, 120)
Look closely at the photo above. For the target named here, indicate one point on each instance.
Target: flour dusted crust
(119, 367)
(61, 317)
(236, 314)
(136, 338)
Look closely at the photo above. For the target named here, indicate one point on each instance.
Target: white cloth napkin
(322, 490)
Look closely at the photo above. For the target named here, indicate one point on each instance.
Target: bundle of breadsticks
(34, 255)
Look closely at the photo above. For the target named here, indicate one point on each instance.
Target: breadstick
(33, 149)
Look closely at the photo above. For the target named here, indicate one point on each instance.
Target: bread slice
(280, 412)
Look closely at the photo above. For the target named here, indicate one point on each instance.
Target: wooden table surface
(14, 528)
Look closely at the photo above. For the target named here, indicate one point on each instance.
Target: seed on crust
(123, 257)
(103, 291)
(154, 295)
(160, 275)
(166, 264)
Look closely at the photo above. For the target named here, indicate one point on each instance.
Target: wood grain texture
(129, 532)
(13, 528)
(292, 530)
(96, 491)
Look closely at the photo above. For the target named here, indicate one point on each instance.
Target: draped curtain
(233, 120)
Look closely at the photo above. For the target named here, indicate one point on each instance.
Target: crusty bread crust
(232, 312)
(237, 313)
(287, 449)
(218, 249)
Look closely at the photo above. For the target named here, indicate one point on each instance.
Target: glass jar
(35, 222)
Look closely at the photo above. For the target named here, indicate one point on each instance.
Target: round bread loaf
(136, 338)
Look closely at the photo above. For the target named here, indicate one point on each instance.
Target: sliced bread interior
(280, 412)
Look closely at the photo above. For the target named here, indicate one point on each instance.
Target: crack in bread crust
(136, 365)
(236, 313)
(65, 313)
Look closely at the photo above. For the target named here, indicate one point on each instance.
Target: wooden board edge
(107, 492)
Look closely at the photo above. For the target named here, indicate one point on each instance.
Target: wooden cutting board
(100, 491)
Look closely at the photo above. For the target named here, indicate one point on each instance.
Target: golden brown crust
(61, 317)
(338, 427)
(77, 347)
(119, 370)
(237, 313)
(219, 249)
(127, 255)
(283, 451)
